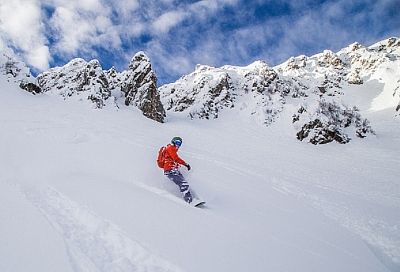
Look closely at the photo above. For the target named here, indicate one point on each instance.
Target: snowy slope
(80, 190)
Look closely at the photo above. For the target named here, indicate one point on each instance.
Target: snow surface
(80, 191)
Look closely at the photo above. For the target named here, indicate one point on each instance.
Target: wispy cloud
(332, 25)
(168, 20)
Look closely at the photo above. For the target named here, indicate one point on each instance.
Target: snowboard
(197, 203)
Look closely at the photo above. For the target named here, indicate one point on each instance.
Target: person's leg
(179, 180)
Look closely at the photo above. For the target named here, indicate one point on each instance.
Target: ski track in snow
(92, 243)
(162, 193)
(381, 236)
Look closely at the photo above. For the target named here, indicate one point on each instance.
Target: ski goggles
(178, 142)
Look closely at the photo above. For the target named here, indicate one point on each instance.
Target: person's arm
(174, 155)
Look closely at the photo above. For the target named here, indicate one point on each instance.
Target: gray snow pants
(178, 179)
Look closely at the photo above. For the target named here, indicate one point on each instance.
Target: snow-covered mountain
(312, 87)
(89, 82)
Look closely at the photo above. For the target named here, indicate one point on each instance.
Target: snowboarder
(172, 162)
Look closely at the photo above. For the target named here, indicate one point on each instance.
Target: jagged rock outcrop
(329, 121)
(17, 72)
(30, 87)
(139, 84)
(88, 81)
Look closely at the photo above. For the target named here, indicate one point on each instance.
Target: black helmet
(176, 141)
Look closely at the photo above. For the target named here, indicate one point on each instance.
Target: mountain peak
(355, 46)
(138, 58)
(390, 44)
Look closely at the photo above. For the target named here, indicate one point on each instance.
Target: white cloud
(83, 25)
(71, 29)
(126, 8)
(39, 57)
(176, 63)
(88, 5)
(20, 23)
(168, 20)
(94, 6)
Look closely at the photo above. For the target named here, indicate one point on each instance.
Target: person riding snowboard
(172, 162)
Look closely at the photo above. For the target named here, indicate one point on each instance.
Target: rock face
(17, 72)
(89, 82)
(331, 121)
(80, 79)
(208, 91)
(139, 84)
(314, 86)
(30, 87)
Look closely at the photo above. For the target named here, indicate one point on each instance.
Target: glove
(188, 167)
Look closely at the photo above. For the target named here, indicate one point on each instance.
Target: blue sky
(177, 35)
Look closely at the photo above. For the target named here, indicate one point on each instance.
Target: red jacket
(172, 160)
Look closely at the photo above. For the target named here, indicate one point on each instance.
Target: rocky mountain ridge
(328, 75)
(208, 90)
(87, 81)
(312, 86)
(136, 86)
